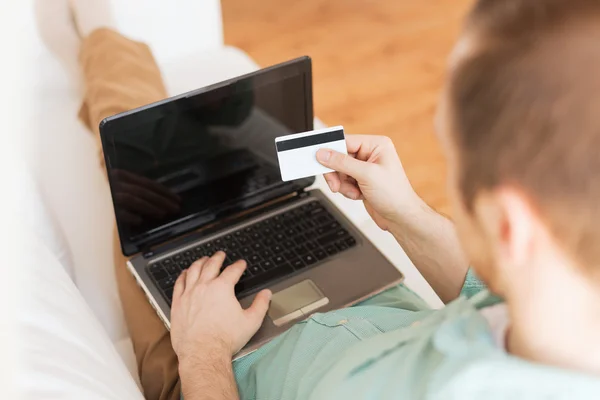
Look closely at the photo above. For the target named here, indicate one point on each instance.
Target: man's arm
(208, 375)
(431, 242)
(209, 326)
(372, 172)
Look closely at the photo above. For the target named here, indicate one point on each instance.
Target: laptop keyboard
(273, 248)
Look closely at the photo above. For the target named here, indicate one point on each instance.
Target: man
(520, 132)
(519, 128)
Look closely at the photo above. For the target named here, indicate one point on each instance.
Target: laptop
(198, 173)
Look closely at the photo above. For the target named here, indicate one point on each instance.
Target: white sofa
(72, 324)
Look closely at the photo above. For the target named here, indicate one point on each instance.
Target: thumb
(342, 163)
(259, 307)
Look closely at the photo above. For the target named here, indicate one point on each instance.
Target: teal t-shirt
(393, 346)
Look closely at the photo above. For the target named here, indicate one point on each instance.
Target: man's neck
(556, 321)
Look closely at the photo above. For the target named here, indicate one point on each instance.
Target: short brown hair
(525, 109)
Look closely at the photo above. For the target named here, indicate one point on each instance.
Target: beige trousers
(120, 75)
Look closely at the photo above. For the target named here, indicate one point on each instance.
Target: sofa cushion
(66, 352)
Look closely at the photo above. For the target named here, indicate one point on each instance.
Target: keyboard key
(169, 294)
(268, 242)
(310, 245)
(351, 242)
(177, 257)
(187, 253)
(323, 219)
(331, 250)
(257, 246)
(245, 275)
(290, 232)
(301, 250)
(266, 254)
(253, 259)
(309, 259)
(316, 211)
(279, 260)
(320, 254)
(173, 269)
(277, 249)
(341, 245)
(167, 282)
(288, 244)
(297, 263)
(244, 251)
(266, 265)
(308, 224)
(289, 255)
(255, 269)
(243, 240)
(263, 278)
(158, 272)
(299, 239)
(339, 234)
(255, 236)
(279, 237)
(331, 226)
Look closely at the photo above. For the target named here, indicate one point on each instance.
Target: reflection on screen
(199, 154)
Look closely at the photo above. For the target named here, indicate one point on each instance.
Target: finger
(193, 272)
(212, 267)
(155, 198)
(258, 309)
(343, 163)
(350, 191)
(363, 145)
(179, 286)
(233, 273)
(333, 181)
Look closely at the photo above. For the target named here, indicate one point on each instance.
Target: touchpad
(296, 301)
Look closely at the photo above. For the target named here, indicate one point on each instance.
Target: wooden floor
(378, 66)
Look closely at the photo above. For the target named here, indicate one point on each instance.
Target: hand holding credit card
(297, 152)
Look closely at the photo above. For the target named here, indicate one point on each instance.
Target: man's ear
(509, 221)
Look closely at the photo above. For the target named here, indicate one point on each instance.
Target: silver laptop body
(212, 152)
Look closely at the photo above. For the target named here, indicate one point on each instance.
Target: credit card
(297, 153)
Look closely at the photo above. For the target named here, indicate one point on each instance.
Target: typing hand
(372, 172)
(140, 198)
(206, 316)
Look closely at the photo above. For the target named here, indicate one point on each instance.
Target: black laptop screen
(187, 161)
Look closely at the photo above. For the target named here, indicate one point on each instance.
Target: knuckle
(340, 159)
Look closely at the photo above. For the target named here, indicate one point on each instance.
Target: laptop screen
(190, 160)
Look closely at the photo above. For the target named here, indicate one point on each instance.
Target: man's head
(521, 130)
